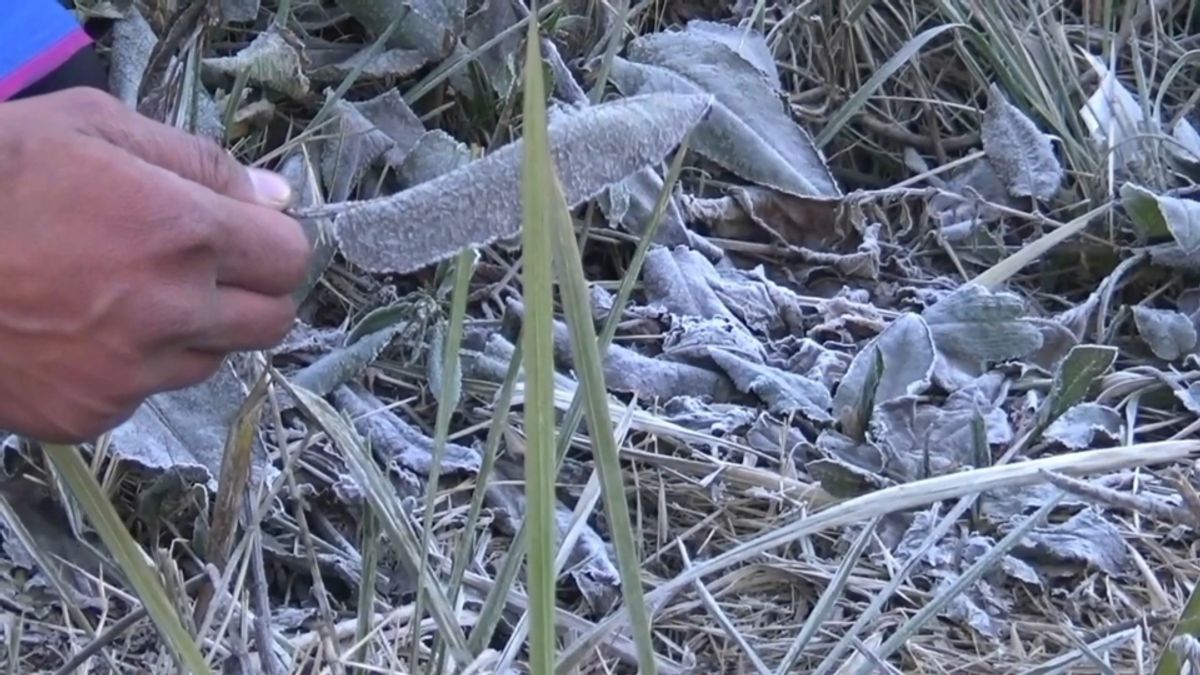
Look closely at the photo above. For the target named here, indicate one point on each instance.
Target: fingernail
(270, 188)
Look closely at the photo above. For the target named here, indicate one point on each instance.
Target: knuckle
(89, 102)
(212, 165)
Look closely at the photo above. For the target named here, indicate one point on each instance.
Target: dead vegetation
(898, 306)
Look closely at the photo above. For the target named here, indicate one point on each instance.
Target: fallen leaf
(1077, 427)
(750, 132)
(271, 61)
(1020, 153)
(907, 352)
(1159, 215)
(1169, 334)
(784, 393)
(1087, 541)
(972, 327)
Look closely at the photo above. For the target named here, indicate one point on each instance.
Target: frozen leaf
(1188, 139)
(1112, 114)
(906, 350)
(965, 609)
(718, 419)
(690, 338)
(480, 203)
(240, 11)
(865, 456)
(498, 62)
(1169, 334)
(185, 429)
(631, 202)
(972, 327)
(1020, 153)
(926, 440)
(390, 63)
(750, 132)
(679, 280)
(628, 371)
(1057, 342)
(1086, 540)
(1075, 376)
(133, 40)
(392, 438)
(348, 361)
(1159, 215)
(1078, 426)
(748, 44)
(436, 153)
(844, 480)
(390, 114)
(590, 561)
(966, 203)
(785, 393)
(353, 146)
(271, 60)
(430, 26)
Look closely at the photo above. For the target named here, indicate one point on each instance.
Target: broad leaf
(908, 355)
(272, 60)
(480, 203)
(1019, 152)
(1158, 215)
(972, 327)
(1075, 376)
(1169, 334)
(750, 132)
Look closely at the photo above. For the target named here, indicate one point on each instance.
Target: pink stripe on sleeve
(42, 64)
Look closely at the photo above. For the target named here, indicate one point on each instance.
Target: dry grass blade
(538, 192)
(1003, 270)
(131, 559)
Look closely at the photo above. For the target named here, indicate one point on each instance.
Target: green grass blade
(538, 186)
(451, 386)
(573, 288)
(1003, 270)
(132, 560)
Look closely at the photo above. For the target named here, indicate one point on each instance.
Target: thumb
(192, 157)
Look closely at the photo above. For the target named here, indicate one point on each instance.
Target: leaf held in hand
(480, 203)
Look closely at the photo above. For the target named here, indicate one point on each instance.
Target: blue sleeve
(36, 36)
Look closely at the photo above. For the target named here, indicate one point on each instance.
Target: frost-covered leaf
(354, 144)
(1078, 426)
(1188, 139)
(590, 562)
(430, 26)
(907, 352)
(966, 203)
(390, 63)
(1075, 376)
(1086, 540)
(784, 393)
(1057, 342)
(272, 60)
(684, 282)
(631, 202)
(750, 132)
(922, 440)
(844, 480)
(435, 153)
(718, 419)
(690, 339)
(1169, 334)
(972, 327)
(348, 361)
(1021, 154)
(185, 430)
(133, 41)
(1112, 113)
(395, 440)
(748, 44)
(499, 62)
(480, 203)
(1159, 215)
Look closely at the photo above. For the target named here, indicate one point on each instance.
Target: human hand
(133, 258)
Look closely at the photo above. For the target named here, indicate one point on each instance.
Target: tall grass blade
(538, 190)
(132, 560)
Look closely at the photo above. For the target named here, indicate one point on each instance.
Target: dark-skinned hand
(134, 257)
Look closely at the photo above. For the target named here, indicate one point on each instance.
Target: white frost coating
(269, 61)
(481, 202)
